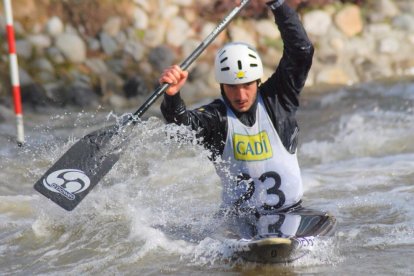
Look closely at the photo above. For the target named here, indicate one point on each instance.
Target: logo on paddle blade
(67, 182)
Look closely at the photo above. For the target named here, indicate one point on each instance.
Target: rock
(45, 77)
(145, 68)
(135, 49)
(333, 75)
(389, 45)
(361, 46)
(6, 114)
(161, 57)
(112, 26)
(2, 25)
(117, 102)
(108, 44)
(24, 8)
(72, 47)
(24, 49)
(24, 77)
(145, 4)
(81, 95)
(54, 26)
(178, 32)
(43, 64)
(405, 66)
(18, 28)
(406, 6)
(267, 28)
(40, 41)
(169, 12)
(71, 29)
(243, 32)
(199, 71)
(110, 83)
(191, 15)
(192, 92)
(34, 95)
(411, 39)
(381, 10)
(184, 3)
(96, 65)
(116, 65)
(93, 44)
(121, 38)
(337, 44)
(270, 57)
(317, 22)
(349, 20)
(135, 86)
(55, 55)
(350, 46)
(140, 19)
(404, 22)
(155, 37)
(378, 29)
(373, 68)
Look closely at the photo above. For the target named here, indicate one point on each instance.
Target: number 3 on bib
(272, 191)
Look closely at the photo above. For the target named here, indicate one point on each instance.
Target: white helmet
(237, 63)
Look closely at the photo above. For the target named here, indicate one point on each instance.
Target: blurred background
(110, 53)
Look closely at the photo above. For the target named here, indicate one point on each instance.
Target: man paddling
(251, 131)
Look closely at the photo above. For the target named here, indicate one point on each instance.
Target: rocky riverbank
(90, 53)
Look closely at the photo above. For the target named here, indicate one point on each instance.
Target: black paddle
(74, 175)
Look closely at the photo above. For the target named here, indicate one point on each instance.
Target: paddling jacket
(280, 93)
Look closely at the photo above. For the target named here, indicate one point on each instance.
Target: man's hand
(175, 77)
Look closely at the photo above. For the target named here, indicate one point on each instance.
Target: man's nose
(241, 93)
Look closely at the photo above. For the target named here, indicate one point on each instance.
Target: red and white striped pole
(14, 72)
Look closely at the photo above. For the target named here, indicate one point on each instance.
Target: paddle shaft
(191, 58)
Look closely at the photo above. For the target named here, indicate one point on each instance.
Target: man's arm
(209, 121)
(173, 107)
(290, 76)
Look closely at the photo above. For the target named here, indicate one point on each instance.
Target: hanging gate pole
(14, 72)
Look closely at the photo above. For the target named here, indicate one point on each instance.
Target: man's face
(241, 96)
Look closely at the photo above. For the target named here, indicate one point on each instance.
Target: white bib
(255, 169)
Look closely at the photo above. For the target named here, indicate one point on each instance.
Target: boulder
(349, 20)
(72, 47)
(317, 22)
(54, 26)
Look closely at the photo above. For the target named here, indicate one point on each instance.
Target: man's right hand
(175, 77)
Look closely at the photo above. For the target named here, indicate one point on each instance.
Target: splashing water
(153, 212)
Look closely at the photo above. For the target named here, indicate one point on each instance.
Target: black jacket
(280, 93)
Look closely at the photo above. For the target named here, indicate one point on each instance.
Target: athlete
(251, 130)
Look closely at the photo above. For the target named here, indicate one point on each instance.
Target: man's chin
(241, 109)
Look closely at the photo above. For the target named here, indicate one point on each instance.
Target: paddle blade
(75, 174)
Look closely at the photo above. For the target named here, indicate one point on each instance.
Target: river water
(147, 216)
